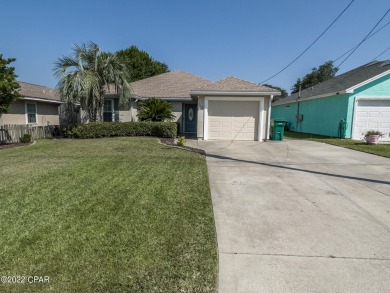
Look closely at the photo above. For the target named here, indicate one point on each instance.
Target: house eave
(169, 99)
(40, 100)
(232, 93)
(353, 88)
(310, 98)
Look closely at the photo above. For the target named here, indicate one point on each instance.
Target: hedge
(109, 129)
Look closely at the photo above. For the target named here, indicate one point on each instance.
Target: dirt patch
(171, 142)
(13, 145)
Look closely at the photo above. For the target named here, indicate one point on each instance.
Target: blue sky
(249, 39)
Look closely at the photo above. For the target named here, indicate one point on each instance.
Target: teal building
(345, 106)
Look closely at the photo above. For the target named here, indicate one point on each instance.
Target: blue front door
(190, 118)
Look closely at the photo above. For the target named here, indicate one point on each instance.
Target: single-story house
(360, 97)
(230, 109)
(38, 106)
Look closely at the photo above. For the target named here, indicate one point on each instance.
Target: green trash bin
(277, 129)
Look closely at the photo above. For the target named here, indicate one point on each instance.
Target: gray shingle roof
(341, 82)
(234, 84)
(174, 84)
(29, 90)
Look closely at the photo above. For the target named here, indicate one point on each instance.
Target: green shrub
(109, 129)
(373, 132)
(181, 141)
(156, 110)
(26, 138)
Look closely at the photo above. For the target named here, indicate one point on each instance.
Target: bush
(373, 132)
(156, 110)
(109, 129)
(26, 138)
(181, 141)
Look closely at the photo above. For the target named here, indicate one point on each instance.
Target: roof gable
(173, 84)
(234, 84)
(343, 83)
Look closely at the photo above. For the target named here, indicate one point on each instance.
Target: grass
(379, 149)
(106, 215)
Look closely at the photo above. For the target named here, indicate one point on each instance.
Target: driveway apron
(299, 216)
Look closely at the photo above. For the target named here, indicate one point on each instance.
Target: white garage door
(230, 120)
(372, 115)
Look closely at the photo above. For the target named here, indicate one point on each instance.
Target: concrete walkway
(299, 216)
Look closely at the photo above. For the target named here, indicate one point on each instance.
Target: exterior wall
(178, 111)
(200, 121)
(285, 112)
(127, 113)
(320, 116)
(47, 113)
(377, 88)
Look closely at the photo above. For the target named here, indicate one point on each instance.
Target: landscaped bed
(379, 149)
(106, 215)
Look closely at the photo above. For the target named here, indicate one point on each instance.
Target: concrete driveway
(299, 216)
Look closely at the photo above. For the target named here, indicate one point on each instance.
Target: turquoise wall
(377, 88)
(285, 112)
(320, 116)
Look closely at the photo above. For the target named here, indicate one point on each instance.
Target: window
(107, 111)
(31, 110)
(111, 110)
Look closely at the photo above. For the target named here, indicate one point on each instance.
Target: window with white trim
(31, 109)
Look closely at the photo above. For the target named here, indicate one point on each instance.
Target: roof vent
(385, 63)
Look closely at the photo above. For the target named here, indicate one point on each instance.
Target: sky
(248, 39)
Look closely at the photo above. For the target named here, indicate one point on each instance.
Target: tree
(282, 91)
(140, 63)
(324, 72)
(156, 110)
(86, 77)
(8, 84)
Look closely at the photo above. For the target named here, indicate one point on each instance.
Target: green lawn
(106, 215)
(379, 149)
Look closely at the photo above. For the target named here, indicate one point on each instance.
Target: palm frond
(88, 74)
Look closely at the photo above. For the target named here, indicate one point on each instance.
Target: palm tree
(86, 77)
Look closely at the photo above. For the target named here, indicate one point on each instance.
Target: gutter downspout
(297, 117)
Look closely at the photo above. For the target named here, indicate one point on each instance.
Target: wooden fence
(13, 132)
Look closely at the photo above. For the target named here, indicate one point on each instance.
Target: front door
(190, 118)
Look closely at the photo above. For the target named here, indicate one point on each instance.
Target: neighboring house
(230, 109)
(361, 97)
(38, 106)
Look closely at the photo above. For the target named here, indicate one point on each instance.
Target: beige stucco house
(38, 106)
(230, 109)
(233, 109)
